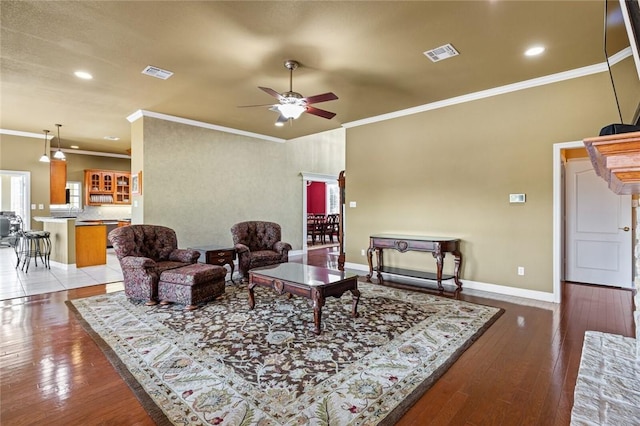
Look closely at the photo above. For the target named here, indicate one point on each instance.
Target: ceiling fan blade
(320, 112)
(271, 92)
(321, 98)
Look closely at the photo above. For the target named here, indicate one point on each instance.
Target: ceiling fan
(292, 104)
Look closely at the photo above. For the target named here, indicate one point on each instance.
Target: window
(333, 198)
(75, 200)
(75, 189)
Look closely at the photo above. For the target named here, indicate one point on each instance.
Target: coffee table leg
(356, 298)
(318, 303)
(252, 302)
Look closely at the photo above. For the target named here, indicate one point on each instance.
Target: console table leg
(370, 260)
(439, 262)
(380, 263)
(456, 271)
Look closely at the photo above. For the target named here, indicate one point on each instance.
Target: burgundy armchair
(144, 252)
(258, 244)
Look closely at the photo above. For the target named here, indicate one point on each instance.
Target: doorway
(15, 194)
(331, 198)
(559, 201)
(598, 229)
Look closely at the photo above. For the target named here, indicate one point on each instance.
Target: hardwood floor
(521, 371)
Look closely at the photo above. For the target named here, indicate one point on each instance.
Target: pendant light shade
(45, 158)
(59, 154)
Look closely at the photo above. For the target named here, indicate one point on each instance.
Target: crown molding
(144, 113)
(94, 153)
(24, 134)
(501, 90)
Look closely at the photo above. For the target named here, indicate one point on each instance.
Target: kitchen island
(80, 241)
(62, 233)
(91, 248)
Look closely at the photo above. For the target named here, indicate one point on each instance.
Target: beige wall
(449, 172)
(78, 163)
(19, 153)
(200, 181)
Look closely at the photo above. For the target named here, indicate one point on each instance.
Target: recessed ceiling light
(534, 51)
(112, 138)
(279, 124)
(83, 75)
(74, 147)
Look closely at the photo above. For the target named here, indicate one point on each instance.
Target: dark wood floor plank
(521, 371)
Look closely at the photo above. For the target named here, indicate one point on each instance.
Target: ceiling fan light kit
(292, 104)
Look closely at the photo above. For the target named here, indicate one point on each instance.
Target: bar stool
(33, 244)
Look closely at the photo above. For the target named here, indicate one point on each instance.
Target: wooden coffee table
(312, 282)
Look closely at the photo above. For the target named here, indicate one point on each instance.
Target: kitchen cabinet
(57, 181)
(123, 188)
(90, 246)
(107, 187)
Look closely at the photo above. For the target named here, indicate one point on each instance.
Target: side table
(218, 255)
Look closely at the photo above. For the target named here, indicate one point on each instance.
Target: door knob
(625, 229)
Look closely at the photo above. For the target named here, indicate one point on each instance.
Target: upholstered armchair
(258, 244)
(144, 252)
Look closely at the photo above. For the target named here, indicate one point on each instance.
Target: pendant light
(59, 154)
(45, 158)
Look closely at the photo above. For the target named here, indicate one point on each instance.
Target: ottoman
(192, 284)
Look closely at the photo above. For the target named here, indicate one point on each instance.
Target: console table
(438, 246)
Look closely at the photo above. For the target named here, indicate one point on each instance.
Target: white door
(598, 229)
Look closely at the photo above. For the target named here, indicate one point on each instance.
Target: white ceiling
(369, 53)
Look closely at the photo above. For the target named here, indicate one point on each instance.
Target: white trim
(527, 84)
(315, 177)
(474, 285)
(60, 265)
(319, 177)
(25, 134)
(95, 153)
(144, 113)
(52, 149)
(558, 215)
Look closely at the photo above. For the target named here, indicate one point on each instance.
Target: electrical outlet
(41, 206)
(520, 270)
(33, 206)
(362, 252)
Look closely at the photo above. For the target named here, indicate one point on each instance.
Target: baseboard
(61, 265)
(475, 285)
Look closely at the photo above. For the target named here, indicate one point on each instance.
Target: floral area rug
(227, 364)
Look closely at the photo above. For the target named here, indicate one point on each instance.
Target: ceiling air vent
(157, 72)
(440, 53)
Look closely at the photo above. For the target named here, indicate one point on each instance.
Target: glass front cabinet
(107, 187)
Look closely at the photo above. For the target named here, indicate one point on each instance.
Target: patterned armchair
(144, 252)
(258, 244)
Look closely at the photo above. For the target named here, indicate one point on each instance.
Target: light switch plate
(352, 204)
(517, 198)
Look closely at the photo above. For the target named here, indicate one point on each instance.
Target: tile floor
(17, 283)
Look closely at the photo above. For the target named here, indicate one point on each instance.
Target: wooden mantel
(616, 158)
